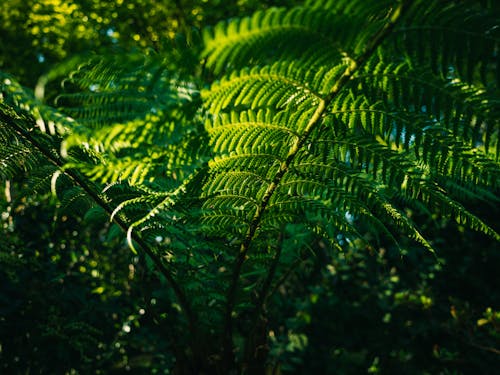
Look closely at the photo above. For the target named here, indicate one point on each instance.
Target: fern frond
(15, 158)
(267, 87)
(308, 126)
(47, 119)
(16, 154)
(135, 118)
(459, 40)
(255, 39)
(76, 201)
(468, 111)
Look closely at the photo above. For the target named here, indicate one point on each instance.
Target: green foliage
(40, 33)
(382, 314)
(228, 158)
(66, 299)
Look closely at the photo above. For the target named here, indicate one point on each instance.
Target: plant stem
(354, 66)
(261, 301)
(92, 192)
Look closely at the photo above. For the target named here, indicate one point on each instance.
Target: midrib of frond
(354, 65)
(99, 199)
(284, 166)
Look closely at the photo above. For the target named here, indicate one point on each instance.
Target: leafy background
(75, 299)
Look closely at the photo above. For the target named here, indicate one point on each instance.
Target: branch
(486, 348)
(262, 297)
(91, 190)
(354, 65)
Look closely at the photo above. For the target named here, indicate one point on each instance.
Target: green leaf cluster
(238, 151)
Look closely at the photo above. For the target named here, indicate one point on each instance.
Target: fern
(304, 125)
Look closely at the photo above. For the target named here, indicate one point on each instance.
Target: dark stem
(91, 191)
(264, 292)
(354, 66)
(252, 343)
(285, 276)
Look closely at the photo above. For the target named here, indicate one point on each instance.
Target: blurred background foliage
(383, 312)
(74, 299)
(36, 34)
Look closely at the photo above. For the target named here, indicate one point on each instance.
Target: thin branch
(263, 295)
(264, 292)
(486, 348)
(285, 277)
(91, 191)
(354, 65)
